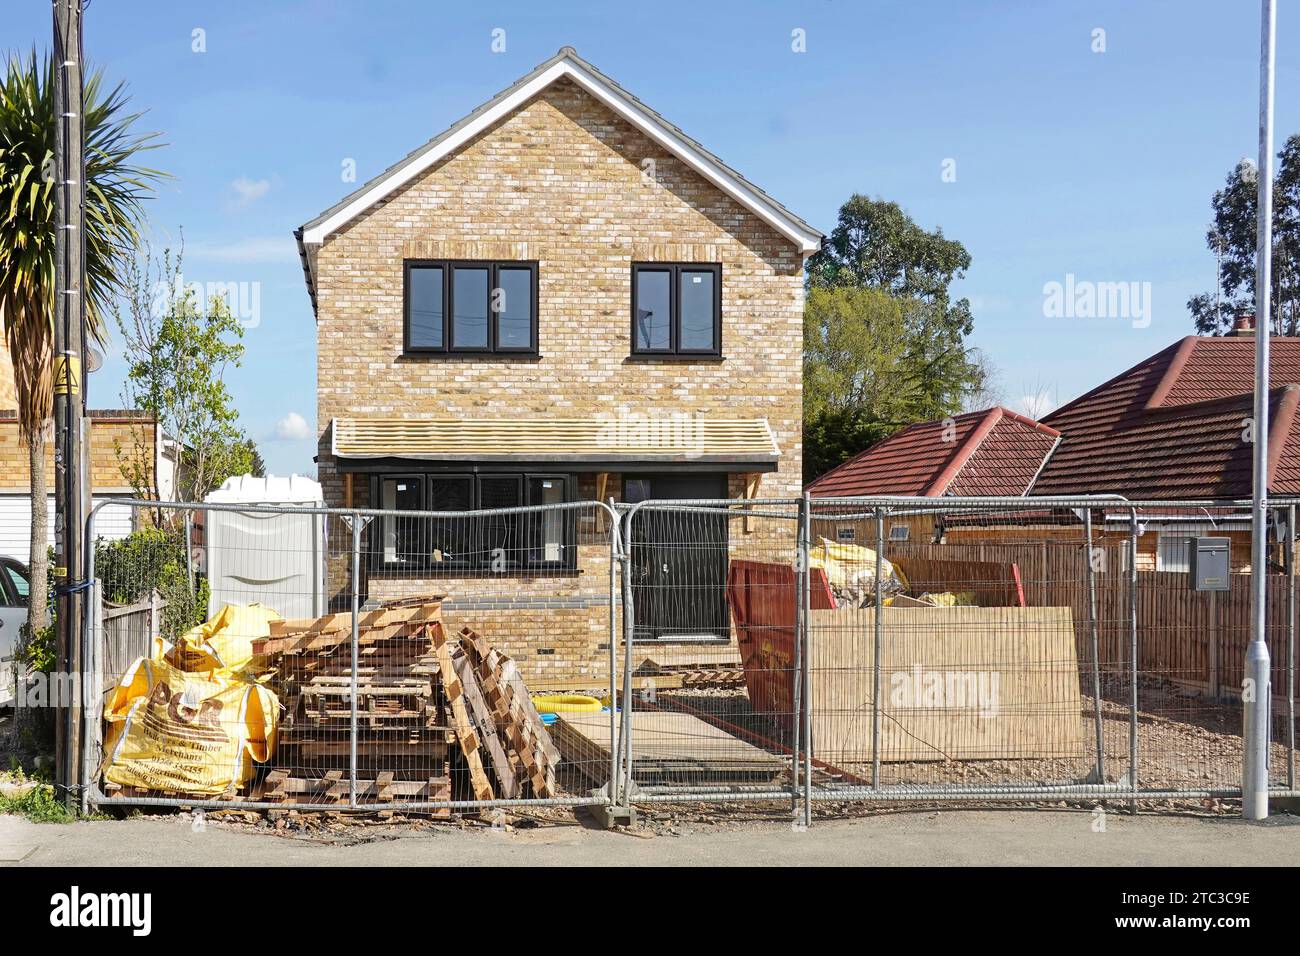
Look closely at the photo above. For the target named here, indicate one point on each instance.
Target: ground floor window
(491, 543)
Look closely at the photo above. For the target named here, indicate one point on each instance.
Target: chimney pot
(1244, 325)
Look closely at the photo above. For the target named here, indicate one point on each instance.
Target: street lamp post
(1258, 693)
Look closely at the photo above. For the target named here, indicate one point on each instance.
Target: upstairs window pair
(471, 306)
(491, 307)
(676, 309)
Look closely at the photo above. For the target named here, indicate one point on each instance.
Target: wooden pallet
(513, 712)
(302, 750)
(403, 739)
(404, 701)
(466, 733)
(429, 706)
(387, 667)
(485, 726)
(332, 789)
(712, 677)
(333, 632)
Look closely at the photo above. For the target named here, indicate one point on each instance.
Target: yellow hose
(566, 704)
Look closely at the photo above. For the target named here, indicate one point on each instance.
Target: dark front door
(679, 560)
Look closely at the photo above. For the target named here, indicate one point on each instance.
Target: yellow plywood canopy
(617, 438)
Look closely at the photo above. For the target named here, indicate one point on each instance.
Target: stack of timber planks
(402, 744)
(430, 709)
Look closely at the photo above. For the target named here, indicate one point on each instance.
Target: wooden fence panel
(1196, 640)
(128, 633)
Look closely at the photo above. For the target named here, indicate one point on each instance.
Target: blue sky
(1067, 161)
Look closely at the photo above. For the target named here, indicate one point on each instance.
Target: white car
(15, 586)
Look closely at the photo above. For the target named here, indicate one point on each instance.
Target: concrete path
(925, 838)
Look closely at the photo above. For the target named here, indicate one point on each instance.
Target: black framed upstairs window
(676, 309)
(471, 307)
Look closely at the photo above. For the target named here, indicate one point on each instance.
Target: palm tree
(114, 190)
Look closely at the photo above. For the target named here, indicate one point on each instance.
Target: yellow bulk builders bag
(851, 572)
(189, 732)
(222, 642)
(949, 598)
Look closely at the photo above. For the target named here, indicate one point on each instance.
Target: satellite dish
(94, 359)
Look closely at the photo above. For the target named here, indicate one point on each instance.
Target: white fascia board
(806, 241)
(771, 436)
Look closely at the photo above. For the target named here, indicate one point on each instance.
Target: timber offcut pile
(430, 711)
(402, 742)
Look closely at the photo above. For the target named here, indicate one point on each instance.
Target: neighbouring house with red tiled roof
(990, 452)
(1174, 426)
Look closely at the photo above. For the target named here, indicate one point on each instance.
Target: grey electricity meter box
(1208, 563)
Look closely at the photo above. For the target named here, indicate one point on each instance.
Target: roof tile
(1172, 426)
(990, 452)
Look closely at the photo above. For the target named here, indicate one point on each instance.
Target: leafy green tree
(876, 244)
(253, 463)
(177, 352)
(884, 342)
(115, 190)
(1232, 237)
(854, 339)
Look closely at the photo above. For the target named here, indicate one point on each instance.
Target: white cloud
(293, 427)
(248, 191)
(1037, 405)
(251, 249)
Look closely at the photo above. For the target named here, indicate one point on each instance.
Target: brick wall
(554, 625)
(560, 181)
(107, 432)
(8, 398)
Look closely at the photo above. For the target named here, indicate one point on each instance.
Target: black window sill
(411, 355)
(675, 357)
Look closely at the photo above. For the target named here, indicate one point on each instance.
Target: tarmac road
(921, 838)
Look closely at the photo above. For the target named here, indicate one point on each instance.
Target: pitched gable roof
(565, 63)
(1172, 425)
(1185, 451)
(990, 452)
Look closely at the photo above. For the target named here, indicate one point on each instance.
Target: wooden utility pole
(69, 383)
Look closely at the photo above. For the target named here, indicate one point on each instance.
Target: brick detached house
(561, 297)
(1174, 426)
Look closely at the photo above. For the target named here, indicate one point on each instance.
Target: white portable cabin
(274, 559)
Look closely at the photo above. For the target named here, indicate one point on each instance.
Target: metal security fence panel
(963, 649)
(1281, 636)
(705, 650)
(1039, 647)
(397, 660)
(710, 696)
